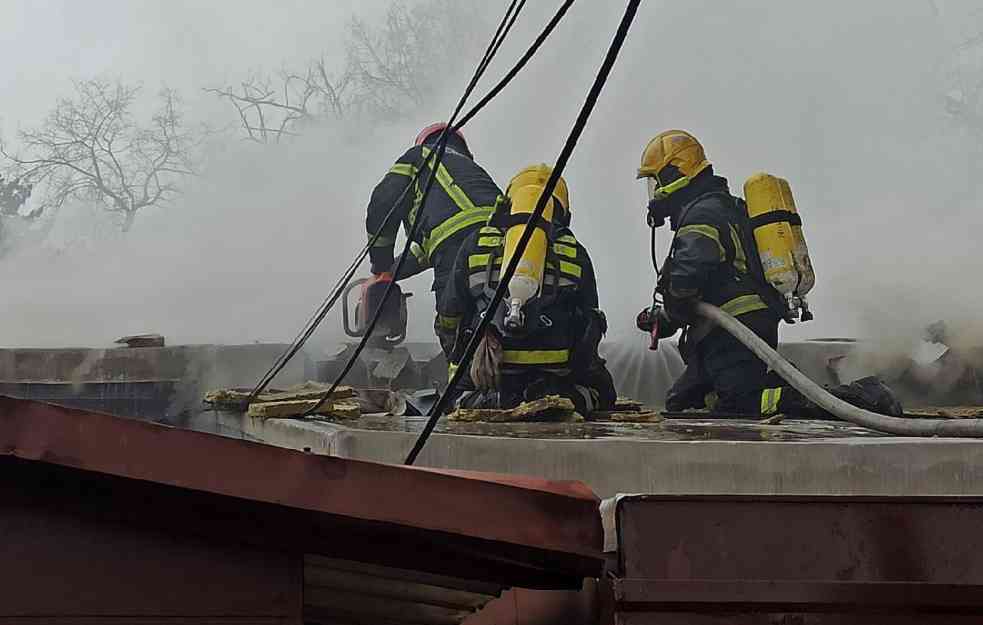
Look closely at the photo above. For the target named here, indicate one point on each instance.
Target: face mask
(656, 217)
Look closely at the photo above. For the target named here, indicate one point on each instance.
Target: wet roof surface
(690, 429)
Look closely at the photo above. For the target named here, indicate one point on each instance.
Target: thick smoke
(843, 99)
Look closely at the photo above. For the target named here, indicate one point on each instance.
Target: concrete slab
(846, 466)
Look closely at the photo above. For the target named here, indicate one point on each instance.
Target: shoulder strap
(776, 216)
(685, 210)
(755, 274)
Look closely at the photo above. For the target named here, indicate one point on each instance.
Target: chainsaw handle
(345, 314)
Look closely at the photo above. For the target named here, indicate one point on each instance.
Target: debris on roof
(550, 408)
(141, 340)
(292, 402)
(347, 409)
(628, 416)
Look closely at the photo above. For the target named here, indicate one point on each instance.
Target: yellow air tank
(767, 201)
(524, 191)
(800, 251)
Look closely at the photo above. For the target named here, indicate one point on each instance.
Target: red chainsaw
(390, 330)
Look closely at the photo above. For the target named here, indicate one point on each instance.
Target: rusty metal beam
(522, 511)
(790, 556)
(765, 595)
(497, 529)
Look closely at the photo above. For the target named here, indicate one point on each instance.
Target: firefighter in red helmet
(461, 199)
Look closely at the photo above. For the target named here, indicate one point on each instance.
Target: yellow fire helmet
(672, 147)
(538, 175)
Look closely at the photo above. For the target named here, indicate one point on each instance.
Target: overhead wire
(435, 158)
(521, 63)
(443, 401)
(328, 303)
(321, 312)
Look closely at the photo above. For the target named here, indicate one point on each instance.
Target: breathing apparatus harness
(503, 219)
(656, 218)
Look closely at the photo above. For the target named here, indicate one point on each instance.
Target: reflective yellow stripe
(480, 261)
(446, 182)
(565, 250)
(490, 241)
(419, 254)
(740, 259)
(567, 239)
(490, 230)
(383, 241)
(450, 227)
(469, 214)
(403, 169)
(707, 231)
(672, 187)
(417, 201)
(451, 368)
(769, 400)
(476, 261)
(536, 357)
(743, 305)
(448, 323)
(571, 268)
(711, 400)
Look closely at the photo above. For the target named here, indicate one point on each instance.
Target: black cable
(499, 38)
(321, 312)
(326, 305)
(612, 54)
(518, 66)
(435, 157)
(655, 254)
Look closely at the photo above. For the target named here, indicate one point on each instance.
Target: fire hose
(965, 428)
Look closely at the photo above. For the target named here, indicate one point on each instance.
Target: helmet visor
(653, 186)
(658, 191)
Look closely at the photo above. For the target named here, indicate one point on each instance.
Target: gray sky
(182, 43)
(842, 98)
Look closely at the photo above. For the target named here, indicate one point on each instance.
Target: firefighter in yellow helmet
(713, 257)
(554, 352)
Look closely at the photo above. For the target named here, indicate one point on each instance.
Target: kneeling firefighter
(543, 338)
(717, 255)
(460, 201)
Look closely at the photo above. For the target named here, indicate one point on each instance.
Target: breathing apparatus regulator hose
(655, 253)
(965, 428)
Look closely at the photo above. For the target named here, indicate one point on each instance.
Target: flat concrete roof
(759, 460)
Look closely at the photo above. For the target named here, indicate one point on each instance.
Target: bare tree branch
(89, 147)
(389, 71)
(13, 195)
